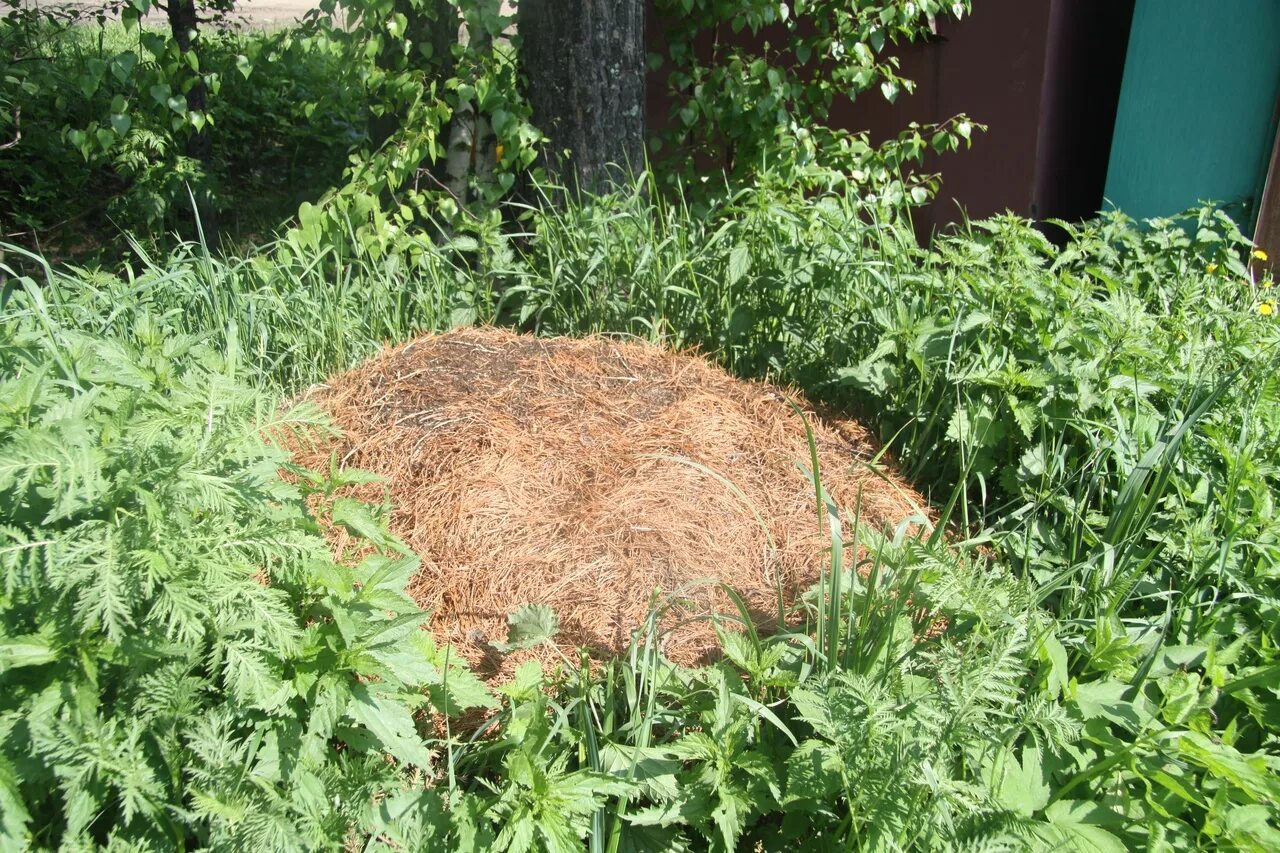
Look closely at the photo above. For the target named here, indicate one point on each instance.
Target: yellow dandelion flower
(1260, 255)
(1211, 269)
(1266, 309)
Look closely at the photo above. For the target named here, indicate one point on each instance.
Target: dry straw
(586, 473)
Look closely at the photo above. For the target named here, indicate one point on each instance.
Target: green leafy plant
(753, 83)
(1077, 651)
(183, 661)
(99, 124)
(449, 132)
(1103, 413)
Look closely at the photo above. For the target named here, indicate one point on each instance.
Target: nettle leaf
(975, 424)
(550, 805)
(653, 839)
(408, 660)
(1079, 826)
(383, 581)
(459, 691)
(737, 648)
(389, 720)
(356, 517)
(733, 808)
(1026, 415)
(877, 373)
(528, 626)
(328, 705)
(691, 808)
(458, 688)
(651, 768)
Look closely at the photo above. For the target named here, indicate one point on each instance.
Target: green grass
(296, 316)
(1097, 422)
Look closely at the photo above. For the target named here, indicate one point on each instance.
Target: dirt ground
(274, 11)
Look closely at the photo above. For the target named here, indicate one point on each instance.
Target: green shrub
(174, 481)
(182, 661)
(746, 104)
(98, 129)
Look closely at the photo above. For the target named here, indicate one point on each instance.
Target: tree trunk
(584, 65)
(183, 25)
(468, 135)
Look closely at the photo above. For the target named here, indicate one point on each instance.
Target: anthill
(587, 473)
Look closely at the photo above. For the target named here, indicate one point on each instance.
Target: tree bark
(440, 30)
(468, 134)
(584, 66)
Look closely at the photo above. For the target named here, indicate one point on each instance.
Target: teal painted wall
(1196, 114)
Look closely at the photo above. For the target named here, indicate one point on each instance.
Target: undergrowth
(1088, 661)
(179, 651)
(92, 150)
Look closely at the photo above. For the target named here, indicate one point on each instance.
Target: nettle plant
(753, 83)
